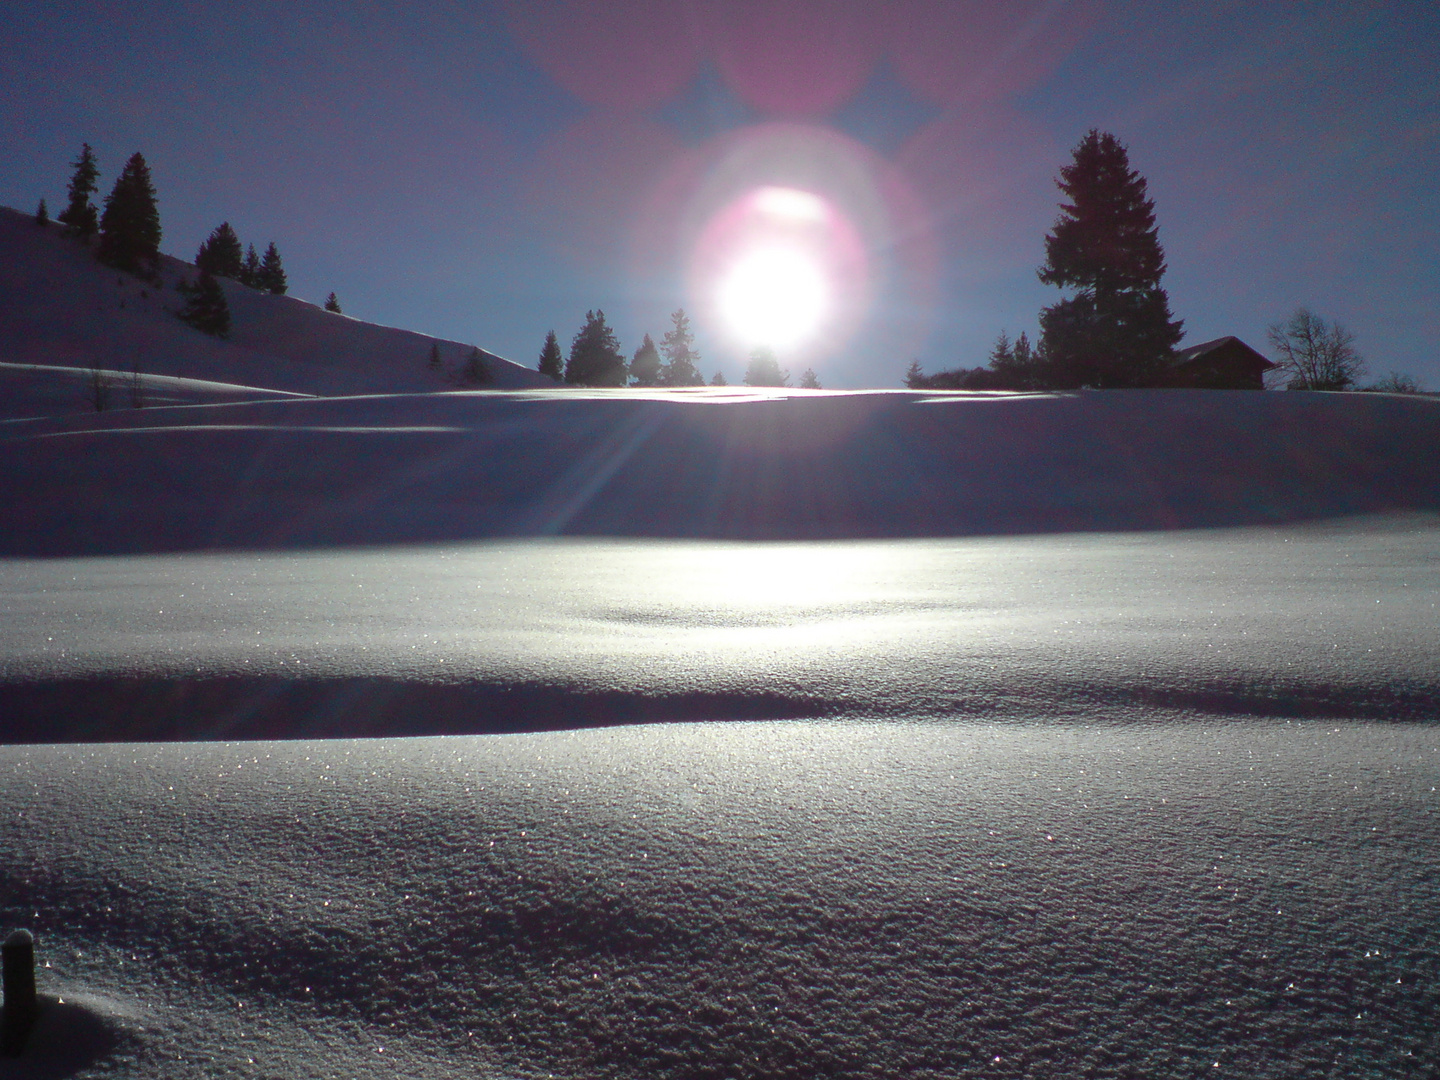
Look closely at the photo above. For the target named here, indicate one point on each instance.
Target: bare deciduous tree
(1397, 382)
(1312, 354)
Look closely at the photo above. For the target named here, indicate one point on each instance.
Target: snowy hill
(1080, 734)
(706, 464)
(63, 308)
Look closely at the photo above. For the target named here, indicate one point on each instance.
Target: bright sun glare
(775, 296)
(777, 289)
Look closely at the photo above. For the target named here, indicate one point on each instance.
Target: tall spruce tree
(764, 369)
(80, 215)
(332, 303)
(272, 272)
(221, 254)
(42, 214)
(205, 306)
(595, 357)
(250, 269)
(681, 367)
(645, 364)
(1116, 330)
(130, 225)
(552, 362)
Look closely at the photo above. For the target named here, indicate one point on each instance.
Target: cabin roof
(1230, 341)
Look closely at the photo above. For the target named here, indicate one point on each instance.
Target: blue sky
(488, 171)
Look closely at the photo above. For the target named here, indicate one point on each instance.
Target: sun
(775, 295)
(774, 278)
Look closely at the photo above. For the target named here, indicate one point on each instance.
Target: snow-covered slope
(62, 307)
(30, 391)
(802, 465)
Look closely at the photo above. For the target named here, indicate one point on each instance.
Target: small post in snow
(20, 1003)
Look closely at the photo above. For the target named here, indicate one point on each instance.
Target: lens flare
(776, 296)
(780, 263)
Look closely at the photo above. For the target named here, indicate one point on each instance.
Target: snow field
(771, 899)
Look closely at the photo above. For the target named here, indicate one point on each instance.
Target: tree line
(596, 359)
(1116, 330)
(127, 237)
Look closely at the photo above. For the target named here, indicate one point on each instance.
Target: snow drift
(740, 901)
(426, 468)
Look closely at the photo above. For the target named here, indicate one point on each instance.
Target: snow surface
(1328, 619)
(717, 464)
(748, 900)
(1065, 735)
(30, 391)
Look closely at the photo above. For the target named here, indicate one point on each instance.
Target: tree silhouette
(434, 362)
(130, 225)
(271, 277)
(332, 303)
(42, 214)
(220, 254)
(477, 371)
(595, 358)
(681, 367)
(809, 380)
(718, 379)
(764, 369)
(250, 270)
(552, 363)
(205, 307)
(645, 364)
(80, 216)
(1116, 330)
(1311, 354)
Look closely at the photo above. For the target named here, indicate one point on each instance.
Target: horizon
(352, 142)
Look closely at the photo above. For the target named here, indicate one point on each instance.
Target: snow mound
(28, 391)
(1323, 620)
(748, 901)
(63, 308)
(794, 466)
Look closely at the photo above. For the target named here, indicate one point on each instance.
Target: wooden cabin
(1226, 363)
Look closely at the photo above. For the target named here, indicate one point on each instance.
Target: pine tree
(477, 371)
(595, 357)
(332, 303)
(130, 225)
(205, 307)
(272, 272)
(719, 379)
(250, 271)
(434, 362)
(764, 369)
(552, 363)
(42, 214)
(80, 216)
(809, 380)
(221, 254)
(1013, 366)
(915, 376)
(1116, 330)
(645, 364)
(681, 367)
